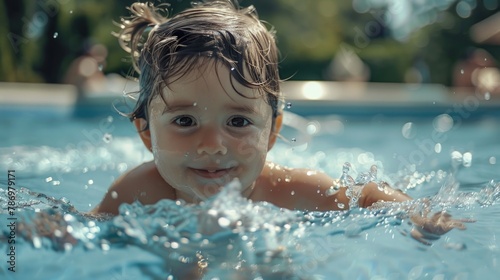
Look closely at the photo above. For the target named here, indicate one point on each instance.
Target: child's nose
(211, 142)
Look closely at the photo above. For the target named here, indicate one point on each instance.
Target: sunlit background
(413, 41)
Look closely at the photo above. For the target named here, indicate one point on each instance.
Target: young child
(208, 110)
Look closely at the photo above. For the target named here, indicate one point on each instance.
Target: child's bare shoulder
(286, 177)
(299, 188)
(142, 183)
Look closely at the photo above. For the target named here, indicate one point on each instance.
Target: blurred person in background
(477, 71)
(85, 72)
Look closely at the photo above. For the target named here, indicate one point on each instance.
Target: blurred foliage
(39, 39)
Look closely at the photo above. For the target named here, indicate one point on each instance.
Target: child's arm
(311, 192)
(305, 189)
(373, 192)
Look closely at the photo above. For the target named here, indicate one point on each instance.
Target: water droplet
(58, 233)
(194, 104)
(487, 96)
(56, 183)
(456, 155)
(288, 178)
(331, 191)
(90, 182)
(114, 195)
(107, 137)
(224, 222)
(443, 123)
(71, 11)
(311, 172)
(186, 154)
(100, 67)
(341, 205)
(493, 160)
(55, 35)
(37, 242)
(294, 140)
(462, 71)
(437, 148)
(456, 159)
(48, 179)
(288, 105)
(292, 193)
(232, 68)
(408, 130)
(467, 159)
(122, 167)
(109, 119)
(105, 247)
(312, 128)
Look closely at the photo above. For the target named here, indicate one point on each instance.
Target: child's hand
(431, 228)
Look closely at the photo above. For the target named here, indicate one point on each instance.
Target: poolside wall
(304, 97)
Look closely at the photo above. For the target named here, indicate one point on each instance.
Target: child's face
(207, 134)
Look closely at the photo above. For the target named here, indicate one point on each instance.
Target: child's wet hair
(176, 45)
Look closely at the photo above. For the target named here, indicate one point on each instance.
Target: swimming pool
(63, 165)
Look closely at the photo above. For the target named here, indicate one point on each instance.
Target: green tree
(39, 39)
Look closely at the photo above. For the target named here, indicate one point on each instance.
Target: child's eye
(238, 122)
(184, 121)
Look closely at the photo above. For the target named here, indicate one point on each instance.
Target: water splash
(240, 237)
(239, 213)
(74, 157)
(355, 186)
(226, 234)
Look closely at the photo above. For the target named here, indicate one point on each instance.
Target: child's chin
(205, 193)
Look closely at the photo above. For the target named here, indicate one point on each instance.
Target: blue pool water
(63, 166)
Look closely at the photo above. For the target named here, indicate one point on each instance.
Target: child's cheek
(164, 162)
(252, 148)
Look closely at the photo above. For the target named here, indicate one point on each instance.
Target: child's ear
(145, 134)
(276, 130)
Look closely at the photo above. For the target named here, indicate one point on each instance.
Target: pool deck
(302, 97)
(391, 99)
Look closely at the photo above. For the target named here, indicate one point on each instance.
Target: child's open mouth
(212, 173)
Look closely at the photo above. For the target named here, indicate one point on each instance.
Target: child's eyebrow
(242, 108)
(178, 107)
(184, 106)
